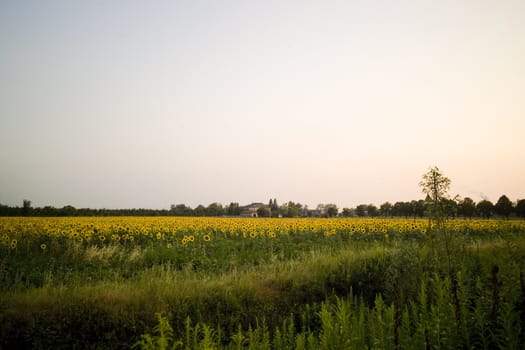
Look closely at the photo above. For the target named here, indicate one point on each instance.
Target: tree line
(465, 207)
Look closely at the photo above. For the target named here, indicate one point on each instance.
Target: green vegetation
(295, 291)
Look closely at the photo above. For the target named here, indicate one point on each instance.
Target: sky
(144, 104)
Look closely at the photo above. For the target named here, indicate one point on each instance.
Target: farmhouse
(250, 211)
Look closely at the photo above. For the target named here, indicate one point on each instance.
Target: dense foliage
(457, 207)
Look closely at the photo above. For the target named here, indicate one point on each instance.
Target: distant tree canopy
(263, 212)
(233, 209)
(485, 208)
(466, 208)
(503, 207)
(520, 208)
(331, 210)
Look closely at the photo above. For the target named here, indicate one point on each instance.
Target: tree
(263, 212)
(485, 208)
(402, 209)
(331, 210)
(450, 207)
(520, 208)
(180, 210)
(4, 210)
(385, 209)
(68, 210)
(274, 208)
(233, 209)
(361, 210)
(436, 186)
(504, 206)
(347, 212)
(417, 208)
(372, 210)
(200, 210)
(26, 207)
(467, 207)
(215, 209)
(291, 209)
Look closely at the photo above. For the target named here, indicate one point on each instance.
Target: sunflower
(14, 243)
(206, 238)
(43, 246)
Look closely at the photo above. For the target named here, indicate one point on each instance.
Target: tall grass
(428, 322)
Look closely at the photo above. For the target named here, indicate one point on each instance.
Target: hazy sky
(127, 104)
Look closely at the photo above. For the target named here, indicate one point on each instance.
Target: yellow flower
(159, 235)
(206, 238)
(14, 243)
(191, 238)
(169, 245)
(102, 238)
(43, 246)
(253, 234)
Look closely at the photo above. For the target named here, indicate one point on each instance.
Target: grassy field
(231, 283)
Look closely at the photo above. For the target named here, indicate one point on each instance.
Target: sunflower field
(254, 283)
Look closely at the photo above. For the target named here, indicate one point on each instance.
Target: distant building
(250, 211)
